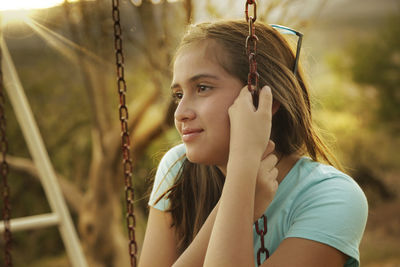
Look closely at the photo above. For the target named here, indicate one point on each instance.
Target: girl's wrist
(245, 164)
(241, 155)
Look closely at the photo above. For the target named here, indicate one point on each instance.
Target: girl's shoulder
(173, 156)
(325, 205)
(170, 165)
(167, 171)
(308, 173)
(311, 183)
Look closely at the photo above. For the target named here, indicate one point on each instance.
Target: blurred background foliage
(352, 54)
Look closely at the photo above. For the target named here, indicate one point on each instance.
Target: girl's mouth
(190, 134)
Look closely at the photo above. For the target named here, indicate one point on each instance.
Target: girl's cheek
(177, 125)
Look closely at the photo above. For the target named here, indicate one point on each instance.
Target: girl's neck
(285, 164)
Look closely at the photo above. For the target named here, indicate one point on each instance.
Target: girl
(214, 192)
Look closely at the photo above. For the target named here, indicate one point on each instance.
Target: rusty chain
(262, 233)
(252, 83)
(4, 174)
(123, 116)
(251, 50)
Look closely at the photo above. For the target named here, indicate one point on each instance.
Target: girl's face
(204, 91)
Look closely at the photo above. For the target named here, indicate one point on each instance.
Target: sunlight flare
(66, 47)
(20, 11)
(30, 4)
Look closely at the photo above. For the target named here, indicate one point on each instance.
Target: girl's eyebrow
(195, 78)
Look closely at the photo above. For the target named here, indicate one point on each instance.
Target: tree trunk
(100, 216)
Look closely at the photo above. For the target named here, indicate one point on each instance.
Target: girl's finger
(247, 94)
(265, 99)
(270, 148)
(243, 97)
(268, 163)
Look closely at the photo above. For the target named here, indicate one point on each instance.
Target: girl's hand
(250, 128)
(267, 184)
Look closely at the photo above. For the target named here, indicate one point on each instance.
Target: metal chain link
(251, 50)
(4, 174)
(252, 83)
(123, 116)
(262, 233)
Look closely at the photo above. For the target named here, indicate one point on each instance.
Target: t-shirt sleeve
(334, 212)
(167, 171)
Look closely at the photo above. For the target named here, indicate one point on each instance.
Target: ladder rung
(32, 222)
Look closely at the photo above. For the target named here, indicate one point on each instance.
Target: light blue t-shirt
(314, 201)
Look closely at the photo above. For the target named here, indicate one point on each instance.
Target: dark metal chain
(251, 49)
(262, 233)
(252, 83)
(123, 116)
(4, 174)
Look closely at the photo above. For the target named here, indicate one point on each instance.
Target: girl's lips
(190, 134)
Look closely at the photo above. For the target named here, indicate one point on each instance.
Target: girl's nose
(184, 112)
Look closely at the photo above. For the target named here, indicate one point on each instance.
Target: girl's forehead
(211, 46)
(208, 51)
(195, 61)
(203, 47)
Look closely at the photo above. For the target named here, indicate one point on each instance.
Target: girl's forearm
(194, 255)
(231, 242)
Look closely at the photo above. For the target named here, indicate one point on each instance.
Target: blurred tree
(94, 195)
(364, 108)
(376, 63)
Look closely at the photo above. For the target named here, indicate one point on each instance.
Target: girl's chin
(203, 158)
(198, 158)
(194, 159)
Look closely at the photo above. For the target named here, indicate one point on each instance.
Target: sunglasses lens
(289, 31)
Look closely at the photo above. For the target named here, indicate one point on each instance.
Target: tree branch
(188, 5)
(154, 64)
(144, 106)
(155, 130)
(71, 193)
(86, 74)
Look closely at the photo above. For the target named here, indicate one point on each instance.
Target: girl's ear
(275, 106)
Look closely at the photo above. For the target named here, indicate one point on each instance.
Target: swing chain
(4, 173)
(251, 50)
(123, 116)
(251, 2)
(262, 233)
(252, 84)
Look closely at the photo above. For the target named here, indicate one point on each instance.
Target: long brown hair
(198, 187)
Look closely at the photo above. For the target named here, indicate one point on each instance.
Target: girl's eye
(203, 88)
(177, 96)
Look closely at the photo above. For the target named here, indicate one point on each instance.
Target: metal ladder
(60, 215)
